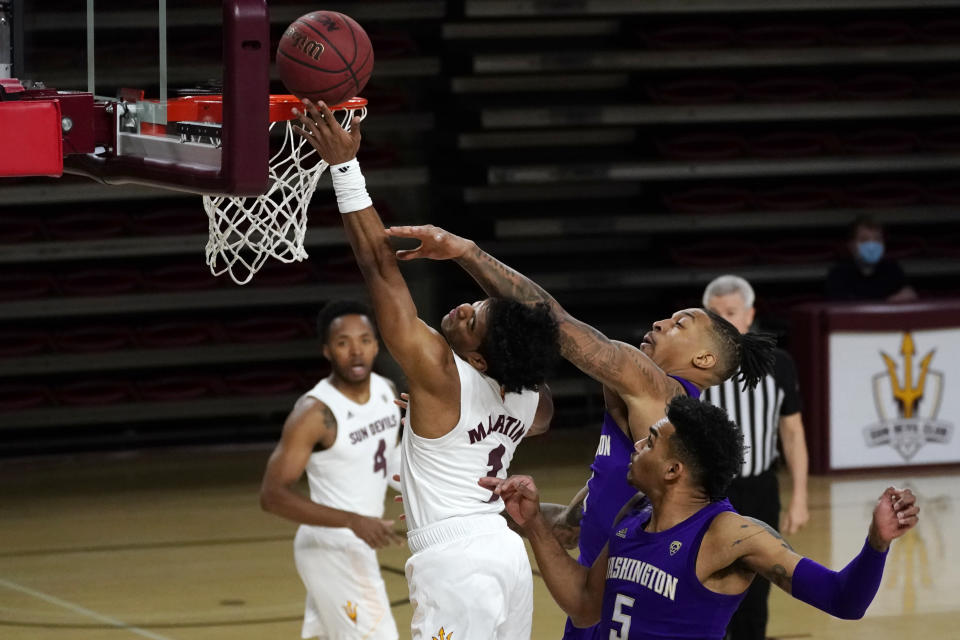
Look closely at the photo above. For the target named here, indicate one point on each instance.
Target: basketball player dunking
(476, 390)
(343, 432)
(681, 355)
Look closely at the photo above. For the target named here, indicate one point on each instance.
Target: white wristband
(350, 187)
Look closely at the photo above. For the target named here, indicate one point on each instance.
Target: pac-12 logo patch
(443, 635)
(675, 546)
(622, 533)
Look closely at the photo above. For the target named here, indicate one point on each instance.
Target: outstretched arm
(421, 352)
(620, 366)
(577, 589)
(846, 593)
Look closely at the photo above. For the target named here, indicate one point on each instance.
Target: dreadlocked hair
(751, 353)
(521, 345)
(707, 442)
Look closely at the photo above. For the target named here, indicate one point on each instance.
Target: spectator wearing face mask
(865, 274)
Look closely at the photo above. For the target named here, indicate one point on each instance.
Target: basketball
(325, 55)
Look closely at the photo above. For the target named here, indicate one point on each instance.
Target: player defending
(476, 390)
(681, 355)
(679, 559)
(342, 432)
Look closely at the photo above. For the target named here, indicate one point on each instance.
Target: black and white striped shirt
(758, 411)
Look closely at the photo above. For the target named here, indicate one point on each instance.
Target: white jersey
(352, 474)
(439, 475)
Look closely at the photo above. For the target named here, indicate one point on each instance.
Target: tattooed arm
(762, 549)
(618, 365)
(846, 593)
(311, 426)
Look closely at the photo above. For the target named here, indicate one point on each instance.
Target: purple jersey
(607, 492)
(652, 591)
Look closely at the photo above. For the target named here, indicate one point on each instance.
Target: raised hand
(520, 496)
(375, 532)
(320, 127)
(435, 243)
(895, 514)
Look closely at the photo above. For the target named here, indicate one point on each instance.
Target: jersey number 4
(380, 460)
(622, 602)
(495, 462)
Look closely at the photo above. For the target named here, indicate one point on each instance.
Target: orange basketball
(326, 56)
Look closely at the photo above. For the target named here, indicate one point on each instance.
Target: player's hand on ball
(320, 127)
(520, 496)
(435, 243)
(895, 514)
(375, 532)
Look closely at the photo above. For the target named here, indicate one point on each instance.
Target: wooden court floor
(172, 545)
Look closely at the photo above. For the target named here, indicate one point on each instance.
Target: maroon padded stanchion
(31, 143)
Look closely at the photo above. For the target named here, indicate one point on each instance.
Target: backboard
(115, 68)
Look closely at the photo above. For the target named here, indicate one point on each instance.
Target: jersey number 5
(622, 602)
(380, 460)
(495, 462)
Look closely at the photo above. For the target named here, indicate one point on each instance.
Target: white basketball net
(245, 231)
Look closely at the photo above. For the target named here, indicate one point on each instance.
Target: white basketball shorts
(346, 596)
(471, 577)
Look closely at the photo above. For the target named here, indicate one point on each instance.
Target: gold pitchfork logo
(902, 424)
(906, 392)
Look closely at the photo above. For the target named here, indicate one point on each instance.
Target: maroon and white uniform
(346, 596)
(468, 574)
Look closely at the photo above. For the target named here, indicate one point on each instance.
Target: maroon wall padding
(714, 253)
(266, 382)
(22, 286)
(708, 200)
(86, 226)
(93, 338)
(17, 397)
(179, 388)
(268, 329)
(96, 392)
(177, 334)
(100, 282)
(22, 342)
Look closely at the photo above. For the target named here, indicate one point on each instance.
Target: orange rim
(209, 108)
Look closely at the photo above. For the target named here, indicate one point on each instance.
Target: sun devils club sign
(907, 396)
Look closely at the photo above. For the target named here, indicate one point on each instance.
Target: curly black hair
(521, 345)
(707, 442)
(337, 308)
(751, 353)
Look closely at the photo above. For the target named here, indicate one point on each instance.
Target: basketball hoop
(245, 231)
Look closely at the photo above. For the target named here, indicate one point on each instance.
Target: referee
(769, 410)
